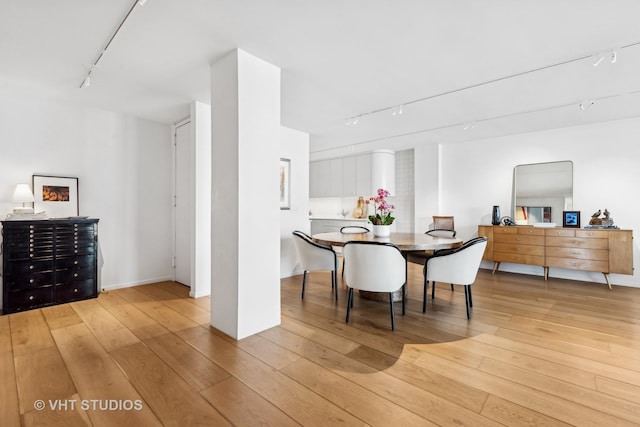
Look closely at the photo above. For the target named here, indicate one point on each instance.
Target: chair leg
(424, 296)
(433, 289)
(334, 277)
(466, 300)
(452, 287)
(393, 321)
(349, 304)
(470, 298)
(404, 301)
(343, 268)
(304, 281)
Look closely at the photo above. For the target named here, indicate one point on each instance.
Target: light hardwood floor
(534, 353)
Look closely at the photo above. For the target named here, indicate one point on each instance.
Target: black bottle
(495, 217)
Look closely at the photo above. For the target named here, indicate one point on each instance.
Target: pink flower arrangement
(382, 209)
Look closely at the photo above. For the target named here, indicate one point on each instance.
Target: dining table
(406, 242)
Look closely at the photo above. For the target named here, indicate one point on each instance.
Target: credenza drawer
(518, 249)
(578, 253)
(519, 239)
(577, 242)
(518, 258)
(579, 264)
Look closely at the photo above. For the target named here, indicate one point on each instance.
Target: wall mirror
(541, 191)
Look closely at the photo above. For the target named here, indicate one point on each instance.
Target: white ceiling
(342, 59)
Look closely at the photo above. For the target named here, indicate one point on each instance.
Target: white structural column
(245, 225)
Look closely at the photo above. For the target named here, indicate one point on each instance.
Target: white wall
(124, 170)
(201, 243)
(477, 175)
(294, 145)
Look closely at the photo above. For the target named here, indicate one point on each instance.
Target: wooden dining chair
(443, 222)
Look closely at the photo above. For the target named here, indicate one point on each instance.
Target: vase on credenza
(495, 215)
(381, 230)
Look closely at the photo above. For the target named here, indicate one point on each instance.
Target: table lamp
(23, 195)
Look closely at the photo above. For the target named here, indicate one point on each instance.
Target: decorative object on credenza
(22, 194)
(285, 184)
(506, 220)
(595, 218)
(56, 195)
(571, 219)
(495, 215)
(605, 222)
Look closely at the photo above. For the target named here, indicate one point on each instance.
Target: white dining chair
(457, 266)
(375, 267)
(351, 229)
(422, 257)
(314, 256)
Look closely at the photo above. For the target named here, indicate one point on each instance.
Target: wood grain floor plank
(110, 331)
(301, 404)
(29, 332)
(415, 399)
(525, 396)
(364, 404)
(98, 377)
(60, 316)
(196, 369)
(244, 407)
(42, 375)
(57, 417)
(510, 414)
(173, 401)
(9, 405)
(180, 304)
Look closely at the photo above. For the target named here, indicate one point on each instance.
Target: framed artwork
(571, 219)
(57, 196)
(285, 184)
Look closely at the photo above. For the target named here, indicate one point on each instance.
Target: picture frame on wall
(571, 219)
(285, 184)
(57, 196)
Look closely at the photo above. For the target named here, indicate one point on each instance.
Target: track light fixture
(586, 104)
(598, 61)
(87, 79)
(396, 110)
(469, 126)
(614, 56)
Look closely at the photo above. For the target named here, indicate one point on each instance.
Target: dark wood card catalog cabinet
(48, 262)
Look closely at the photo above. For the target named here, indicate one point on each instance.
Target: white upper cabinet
(353, 176)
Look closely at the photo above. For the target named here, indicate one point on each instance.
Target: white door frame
(174, 130)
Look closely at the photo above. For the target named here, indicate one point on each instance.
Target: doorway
(181, 204)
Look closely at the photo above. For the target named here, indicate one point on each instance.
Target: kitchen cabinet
(352, 176)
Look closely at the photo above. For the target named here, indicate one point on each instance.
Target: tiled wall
(405, 192)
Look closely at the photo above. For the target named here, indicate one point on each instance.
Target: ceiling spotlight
(614, 56)
(584, 105)
(470, 126)
(142, 2)
(355, 121)
(87, 81)
(600, 59)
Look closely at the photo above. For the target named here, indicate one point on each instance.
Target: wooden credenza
(588, 249)
(48, 262)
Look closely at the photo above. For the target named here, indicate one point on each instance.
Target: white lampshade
(22, 194)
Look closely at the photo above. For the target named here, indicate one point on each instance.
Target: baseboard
(136, 283)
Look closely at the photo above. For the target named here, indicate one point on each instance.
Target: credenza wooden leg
(496, 264)
(606, 277)
(546, 273)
